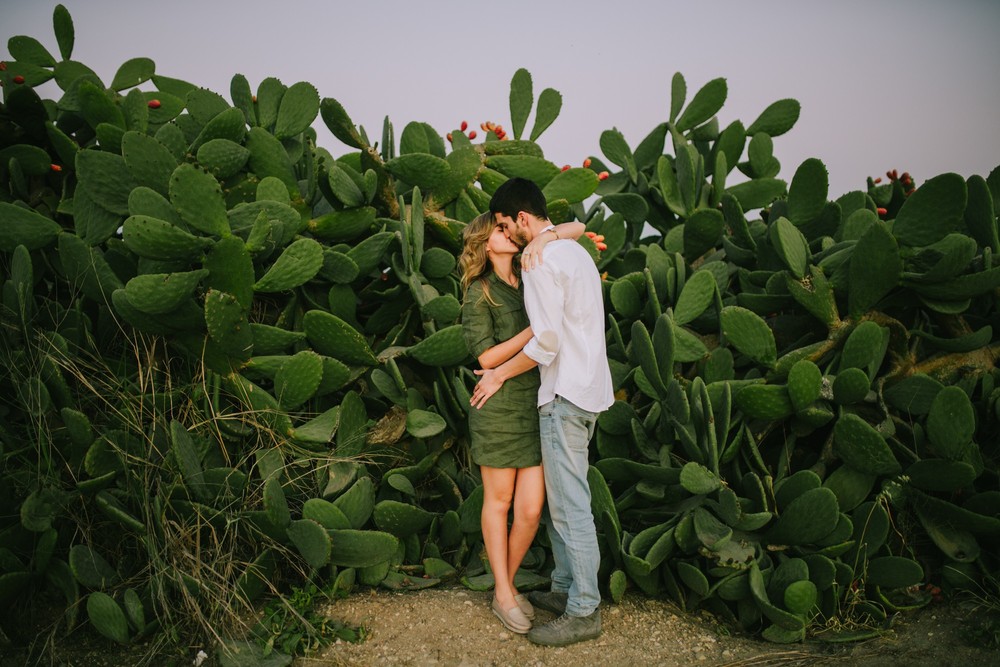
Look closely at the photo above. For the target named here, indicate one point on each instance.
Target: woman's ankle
(504, 596)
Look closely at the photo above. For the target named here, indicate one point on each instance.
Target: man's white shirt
(565, 305)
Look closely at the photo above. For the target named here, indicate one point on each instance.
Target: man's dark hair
(519, 194)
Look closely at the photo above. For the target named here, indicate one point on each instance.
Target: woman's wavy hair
(474, 263)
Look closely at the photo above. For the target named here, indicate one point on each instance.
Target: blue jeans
(566, 431)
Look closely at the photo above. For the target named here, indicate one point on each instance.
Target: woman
(504, 432)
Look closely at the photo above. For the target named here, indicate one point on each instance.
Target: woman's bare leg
(498, 492)
(529, 497)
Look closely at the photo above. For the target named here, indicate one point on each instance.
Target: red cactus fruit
(153, 104)
(598, 240)
(586, 163)
(472, 135)
(18, 79)
(55, 167)
(881, 211)
(3, 65)
(603, 176)
(565, 167)
(464, 126)
(877, 180)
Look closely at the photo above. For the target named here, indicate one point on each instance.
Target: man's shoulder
(570, 257)
(566, 250)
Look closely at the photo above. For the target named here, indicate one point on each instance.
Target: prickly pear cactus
(216, 328)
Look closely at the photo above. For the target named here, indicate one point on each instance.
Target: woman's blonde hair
(474, 263)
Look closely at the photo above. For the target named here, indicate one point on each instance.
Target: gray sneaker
(549, 601)
(567, 630)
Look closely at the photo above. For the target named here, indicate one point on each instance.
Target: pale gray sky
(883, 84)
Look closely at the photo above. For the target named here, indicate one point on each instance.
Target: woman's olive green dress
(504, 432)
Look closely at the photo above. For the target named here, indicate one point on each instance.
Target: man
(565, 305)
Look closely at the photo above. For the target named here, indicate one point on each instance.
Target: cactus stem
(948, 368)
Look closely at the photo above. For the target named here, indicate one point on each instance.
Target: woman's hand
(531, 256)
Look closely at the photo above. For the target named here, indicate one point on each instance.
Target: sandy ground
(455, 627)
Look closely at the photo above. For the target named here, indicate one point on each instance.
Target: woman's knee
(498, 500)
(528, 517)
(528, 512)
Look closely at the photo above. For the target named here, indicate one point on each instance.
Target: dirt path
(454, 627)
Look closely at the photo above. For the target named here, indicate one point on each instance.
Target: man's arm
(501, 352)
(491, 379)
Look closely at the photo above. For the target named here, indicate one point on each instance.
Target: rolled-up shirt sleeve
(543, 300)
(477, 324)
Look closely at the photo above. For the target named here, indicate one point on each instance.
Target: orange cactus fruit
(565, 167)
(603, 176)
(586, 163)
(55, 167)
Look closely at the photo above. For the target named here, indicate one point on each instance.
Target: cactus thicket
(215, 329)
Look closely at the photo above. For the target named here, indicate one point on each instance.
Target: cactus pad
(850, 386)
(312, 541)
(445, 347)
(332, 336)
(749, 334)
(764, 401)
(362, 549)
(808, 518)
(862, 447)
(107, 617)
(951, 422)
(401, 519)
